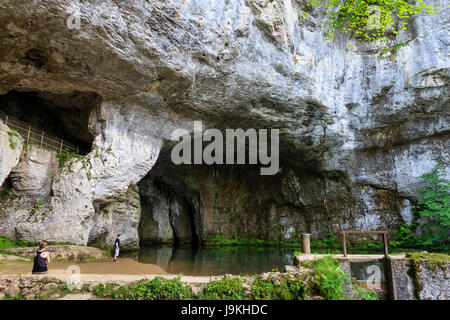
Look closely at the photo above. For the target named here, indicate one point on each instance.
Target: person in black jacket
(41, 259)
(117, 247)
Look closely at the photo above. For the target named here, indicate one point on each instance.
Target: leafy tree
(368, 19)
(436, 202)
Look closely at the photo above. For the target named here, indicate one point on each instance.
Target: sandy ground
(124, 271)
(124, 266)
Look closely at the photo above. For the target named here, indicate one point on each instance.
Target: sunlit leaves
(368, 19)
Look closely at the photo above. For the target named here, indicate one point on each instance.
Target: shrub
(13, 137)
(108, 290)
(329, 278)
(363, 293)
(67, 156)
(225, 289)
(156, 289)
(282, 288)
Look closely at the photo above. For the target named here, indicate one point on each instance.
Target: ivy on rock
(369, 19)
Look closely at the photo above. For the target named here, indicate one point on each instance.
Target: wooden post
(77, 150)
(385, 245)
(42, 138)
(61, 145)
(344, 243)
(6, 121)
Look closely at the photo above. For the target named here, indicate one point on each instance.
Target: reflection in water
(205, 261)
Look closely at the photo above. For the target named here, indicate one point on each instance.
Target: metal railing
(38, 137)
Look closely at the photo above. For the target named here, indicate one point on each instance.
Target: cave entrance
(56, 121)
(167, 215)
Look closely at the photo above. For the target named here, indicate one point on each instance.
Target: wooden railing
(38, 137)
(348, 232)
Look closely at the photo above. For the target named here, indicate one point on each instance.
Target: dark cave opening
(168, 216)
(6, 186)
(65, 116)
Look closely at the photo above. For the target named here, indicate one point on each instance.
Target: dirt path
(125, 271)
(124, 266)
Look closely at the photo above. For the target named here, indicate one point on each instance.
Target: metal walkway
(38, 137)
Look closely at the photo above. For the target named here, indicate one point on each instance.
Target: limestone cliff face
(358, 121)
(11, 148)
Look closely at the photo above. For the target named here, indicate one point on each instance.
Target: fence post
(28, 136)
(6, 120)
(60, 147)
(77, 150)
(344, 243)
(42, 138)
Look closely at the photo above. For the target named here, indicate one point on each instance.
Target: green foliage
(282, 288)
(363, 293)
(329, 278)
(435, 204)
(393, 48)
(219, 240)
(67, 156)
(38, 204)
(330, 243)
(107, 290)
(294, 233)
(18, 297)
(368, 19)
(13, 137)
(404, 237)
(6, 243)
(102, 245)
(225, 289)
(156, 289)
(439, 258)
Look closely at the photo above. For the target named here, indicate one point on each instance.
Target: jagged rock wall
(166, 217)
(236, 200)
(422, 280)
(33, 176)
(121, 216)
(10, 149)
(433, 281)
(69, 213)
(355, 118)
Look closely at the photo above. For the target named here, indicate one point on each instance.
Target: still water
(205, 261)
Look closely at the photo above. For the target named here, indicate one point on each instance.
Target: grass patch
(156, 289)
(431, 260)
(6, 243)
(67, 156)
(18, 297)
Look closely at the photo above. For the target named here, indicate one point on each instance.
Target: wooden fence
(41, 138)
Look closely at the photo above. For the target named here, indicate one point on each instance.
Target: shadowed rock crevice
(64, 115)
(168, 216)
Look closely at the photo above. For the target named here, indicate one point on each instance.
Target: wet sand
(125, 266)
